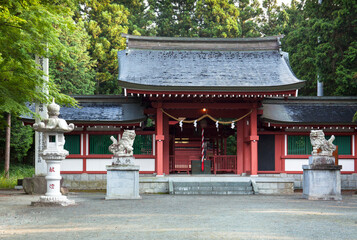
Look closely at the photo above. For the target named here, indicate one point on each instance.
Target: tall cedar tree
(248, 20)
(76, 77)
(141, 17)
(175, 18)
(105, 22)
(217, 18)
(324, 43)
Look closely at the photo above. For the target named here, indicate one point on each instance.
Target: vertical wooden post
(278, 153)
(159, 141)
(7, 146)
(240, 143)
(246, 146)
(253, 142)
(166, 144)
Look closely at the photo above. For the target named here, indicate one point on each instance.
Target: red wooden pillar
(84, 149)
(240, 146)
(159, 141)
(279, 141)
(246, 146)
(166, 132)
(253, 143)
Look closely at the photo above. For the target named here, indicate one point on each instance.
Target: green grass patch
(16, 172)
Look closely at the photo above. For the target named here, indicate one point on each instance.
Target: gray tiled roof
(310, 110)
(205, 70)
(95, 112)
(100, 112)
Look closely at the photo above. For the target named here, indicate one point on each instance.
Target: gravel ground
(179, 217)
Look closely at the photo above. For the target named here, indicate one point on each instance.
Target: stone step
(211, 188)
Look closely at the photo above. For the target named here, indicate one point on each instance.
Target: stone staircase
(211, 187)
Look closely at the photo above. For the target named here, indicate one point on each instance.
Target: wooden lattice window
(143, 145)
(344, 144)
(300, 145)
(99, 144)
(73, 143)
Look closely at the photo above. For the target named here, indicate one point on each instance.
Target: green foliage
(19, 171)
(74, 77)
(248, 20)
(174, 18)
(141, 17)
(195, 18)
(105, 22)
(217, 18)
(27, 28)
(270, 21)
(322, 41)
(232, 145)
(21, 140)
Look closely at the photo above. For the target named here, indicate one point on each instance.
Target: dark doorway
(266, 153)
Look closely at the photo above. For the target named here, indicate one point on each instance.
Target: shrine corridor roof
(310, 110)
(102, 109)
(241, 69)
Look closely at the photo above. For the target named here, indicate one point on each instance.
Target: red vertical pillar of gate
(246, 145)
(166, 145)
(159, 141)
(253, 142)
(240, 145)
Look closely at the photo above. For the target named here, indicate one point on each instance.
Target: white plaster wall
(98, 164)
(295, 164)
(72, 165)
(146, 164)
(347, 164)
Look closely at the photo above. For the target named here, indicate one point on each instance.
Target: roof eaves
(142, 87)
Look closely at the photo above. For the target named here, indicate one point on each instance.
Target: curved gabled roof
(177, 64)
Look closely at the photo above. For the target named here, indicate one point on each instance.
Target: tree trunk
(7, 146)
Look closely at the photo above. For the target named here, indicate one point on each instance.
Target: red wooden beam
(191, 105)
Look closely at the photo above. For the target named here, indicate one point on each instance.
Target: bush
(19, 171)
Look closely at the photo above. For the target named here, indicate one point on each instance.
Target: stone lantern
(53, 129)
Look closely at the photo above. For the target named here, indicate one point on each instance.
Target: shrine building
(237, 99)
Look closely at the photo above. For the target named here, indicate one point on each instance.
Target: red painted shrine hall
(241, 94)
(217, 85)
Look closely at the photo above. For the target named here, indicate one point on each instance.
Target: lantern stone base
(47, 201)
(322, 181)
(122, 181)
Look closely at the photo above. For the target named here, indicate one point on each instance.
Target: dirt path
(179, 217)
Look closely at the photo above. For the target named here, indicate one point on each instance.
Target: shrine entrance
(219, 141)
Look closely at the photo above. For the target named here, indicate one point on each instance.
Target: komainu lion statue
(318, 141)
(125, 145)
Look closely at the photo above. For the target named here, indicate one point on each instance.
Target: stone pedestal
(322, 179)
(122, 179)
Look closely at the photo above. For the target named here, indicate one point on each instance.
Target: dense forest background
(82, 38)
(320, 38)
